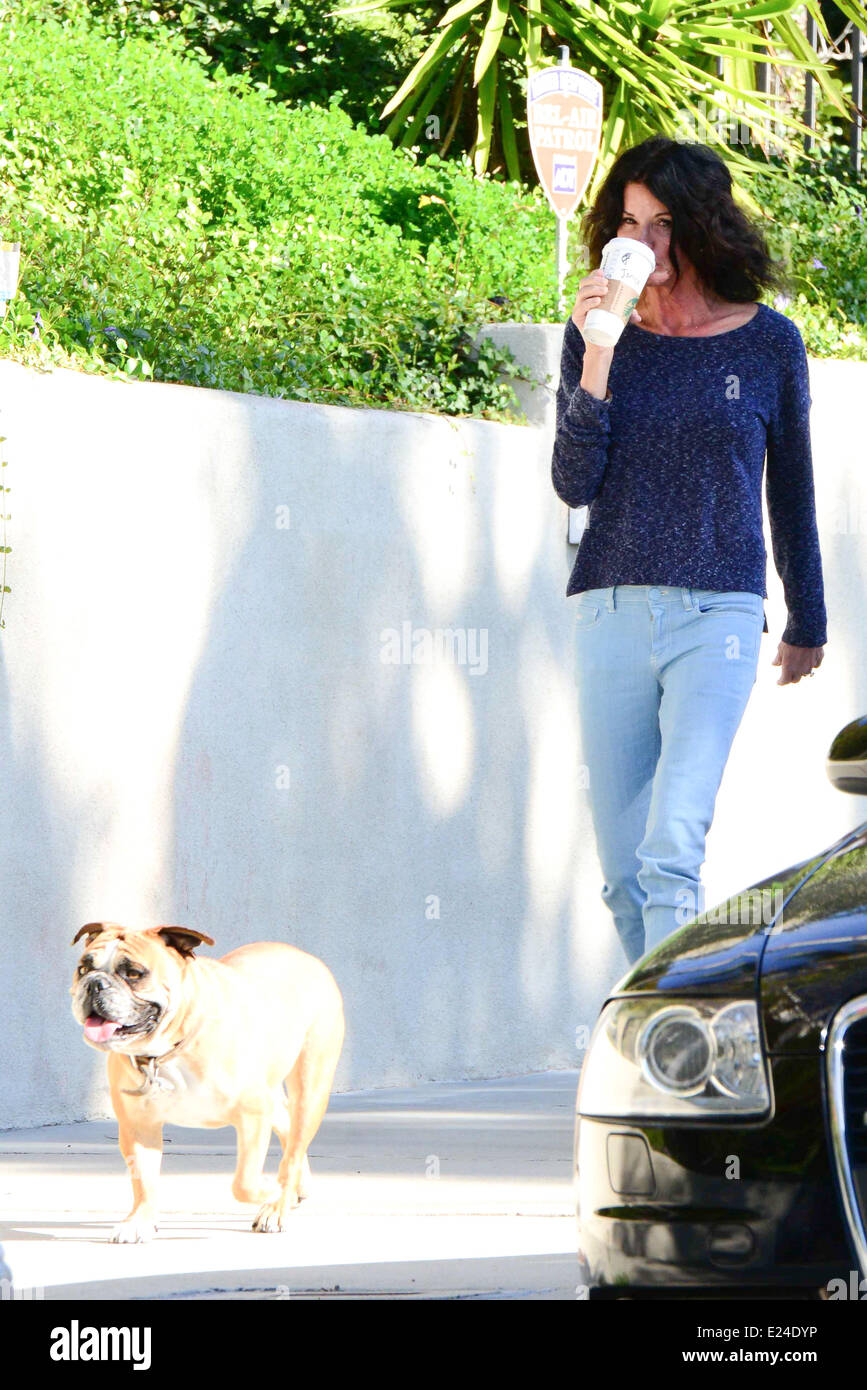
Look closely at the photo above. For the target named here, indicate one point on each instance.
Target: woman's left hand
(797, 661)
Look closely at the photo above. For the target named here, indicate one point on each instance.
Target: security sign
(564, 118)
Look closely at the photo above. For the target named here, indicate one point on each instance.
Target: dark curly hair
(729, 252)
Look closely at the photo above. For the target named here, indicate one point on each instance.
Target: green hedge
(820, 231)
(297, 49)
(181, 226)
(189, 229)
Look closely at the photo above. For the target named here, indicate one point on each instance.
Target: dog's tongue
(99, 1029)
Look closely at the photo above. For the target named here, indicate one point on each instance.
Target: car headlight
(652, 1058)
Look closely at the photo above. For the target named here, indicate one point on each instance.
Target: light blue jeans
(663, 676)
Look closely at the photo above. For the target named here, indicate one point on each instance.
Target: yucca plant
(659, 62)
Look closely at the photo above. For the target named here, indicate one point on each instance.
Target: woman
(664, 438)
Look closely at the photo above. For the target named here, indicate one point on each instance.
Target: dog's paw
(134, 1231)
(272, 1216)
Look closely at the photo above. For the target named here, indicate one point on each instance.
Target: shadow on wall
(401, 804)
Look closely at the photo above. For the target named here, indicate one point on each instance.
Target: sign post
(564, 121)
(10, 253)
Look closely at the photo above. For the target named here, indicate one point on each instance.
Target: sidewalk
(458, 1190)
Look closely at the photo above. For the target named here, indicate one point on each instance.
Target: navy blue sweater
(670, 464)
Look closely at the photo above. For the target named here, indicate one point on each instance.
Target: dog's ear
(91, 929)
(183, 939)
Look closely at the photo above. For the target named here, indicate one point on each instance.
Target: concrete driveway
(458, 1190)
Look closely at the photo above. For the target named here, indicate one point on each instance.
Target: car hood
(720, 951)
(815, 958)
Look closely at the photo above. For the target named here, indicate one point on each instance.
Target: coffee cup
(626, 264)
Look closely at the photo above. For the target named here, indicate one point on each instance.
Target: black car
(721, 1133)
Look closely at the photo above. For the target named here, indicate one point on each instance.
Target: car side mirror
(846, 764)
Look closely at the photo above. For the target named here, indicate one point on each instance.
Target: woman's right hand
(591, 292)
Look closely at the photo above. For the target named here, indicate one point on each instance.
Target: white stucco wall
(196, 725)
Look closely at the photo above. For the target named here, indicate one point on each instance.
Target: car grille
(846, 1063)
(855, 1090)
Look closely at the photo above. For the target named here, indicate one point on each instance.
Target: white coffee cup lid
(621, 243)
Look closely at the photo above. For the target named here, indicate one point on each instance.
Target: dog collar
(148, 1068)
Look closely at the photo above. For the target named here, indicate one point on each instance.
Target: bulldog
(250, 1040)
